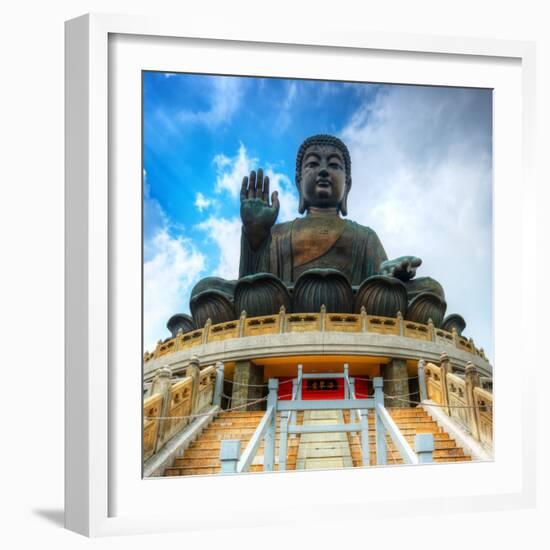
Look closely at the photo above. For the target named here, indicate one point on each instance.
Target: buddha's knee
(426, 301)
(424, 284)
(212, 298)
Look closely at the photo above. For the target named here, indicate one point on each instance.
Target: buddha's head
(323, 173)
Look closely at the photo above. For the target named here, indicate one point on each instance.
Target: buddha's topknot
(322, 139)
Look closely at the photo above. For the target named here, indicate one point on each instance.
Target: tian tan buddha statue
(318, 259)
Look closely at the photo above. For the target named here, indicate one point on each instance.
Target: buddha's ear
(344, 203)
(302, 205)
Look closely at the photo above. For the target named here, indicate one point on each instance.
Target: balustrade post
(179, 339)
(422, 380)
(455, 337)
(282, 320)
(156, 353)
(400, 324)
(381, 451)
(242, 323)
(472, 381)
(424, 447)
(230, 453)
(162, 383)
(323, 318)
(206, 330)
(364, 320)
(269, 447)
(193, 370)
(431, 329)
(445, 368)
(218, 389)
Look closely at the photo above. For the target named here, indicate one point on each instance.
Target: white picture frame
(104, 491)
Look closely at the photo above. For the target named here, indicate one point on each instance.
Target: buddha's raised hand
(257, 214)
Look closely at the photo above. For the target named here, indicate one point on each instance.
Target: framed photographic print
(285, 260)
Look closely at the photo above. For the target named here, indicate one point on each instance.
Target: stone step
(215, 453)
(438, 453)
(215, 444)
(445, 444)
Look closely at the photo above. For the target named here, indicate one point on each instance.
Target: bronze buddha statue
(320, 258)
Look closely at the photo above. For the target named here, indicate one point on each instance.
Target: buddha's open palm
(257, 214)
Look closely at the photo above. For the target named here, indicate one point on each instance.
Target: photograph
(317, 274)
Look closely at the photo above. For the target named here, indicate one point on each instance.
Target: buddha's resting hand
(257, 214)
(403, 268)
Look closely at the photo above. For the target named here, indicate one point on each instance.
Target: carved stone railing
(461, 397)
(457, 401)
(434, 385)
(257, 326)
(484, 410)
(311, 322)
(174, 403)
(207, 383)
(181, 403)
(152, 407)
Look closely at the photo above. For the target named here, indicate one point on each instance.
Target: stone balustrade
(172, 403)
(312, 322)
(462, 398)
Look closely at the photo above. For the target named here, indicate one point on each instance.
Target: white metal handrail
(252, 448)
(408, 455)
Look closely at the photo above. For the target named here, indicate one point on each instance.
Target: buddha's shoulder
(360, 229)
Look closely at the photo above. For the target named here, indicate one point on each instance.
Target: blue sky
(421, 168)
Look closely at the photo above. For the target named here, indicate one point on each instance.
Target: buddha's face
(323, 182)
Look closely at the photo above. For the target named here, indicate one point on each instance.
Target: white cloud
(226, 233)
(168, 276)
(201, 202)
(230, 171)
(224, 99)
(421, 166)
(172, 265)
(284, 115)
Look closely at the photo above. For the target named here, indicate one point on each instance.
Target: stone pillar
(162, 383)
(472, 381)
(194, 371)
(445, 368)
(247, 385)
(395, 383)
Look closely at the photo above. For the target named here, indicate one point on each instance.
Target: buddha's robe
(315, 242)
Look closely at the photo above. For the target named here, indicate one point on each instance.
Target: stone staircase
(410, 421)
(202, 457)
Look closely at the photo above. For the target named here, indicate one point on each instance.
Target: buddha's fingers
(244, 188)
(275, 202)
(265, 190)
(259, 183)
(252, 186)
